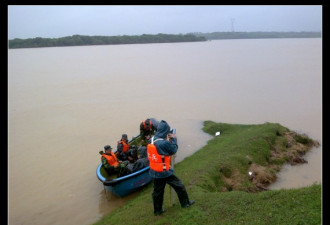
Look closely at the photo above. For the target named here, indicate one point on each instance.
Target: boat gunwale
(119, 179)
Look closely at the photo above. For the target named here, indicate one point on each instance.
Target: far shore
(84, 40)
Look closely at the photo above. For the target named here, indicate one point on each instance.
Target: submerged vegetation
(81, 40)
(217, 178)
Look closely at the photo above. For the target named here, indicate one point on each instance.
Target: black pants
(159, 187)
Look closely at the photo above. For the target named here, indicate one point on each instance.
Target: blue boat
(125, 185)
(122, 186)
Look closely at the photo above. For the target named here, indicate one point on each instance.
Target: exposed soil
(296, 146)
(291, 150)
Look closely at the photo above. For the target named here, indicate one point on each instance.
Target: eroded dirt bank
(291, 148)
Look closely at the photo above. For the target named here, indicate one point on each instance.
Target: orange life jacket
(144, 124)
(112, 159)
(157, 162)
(125, 145)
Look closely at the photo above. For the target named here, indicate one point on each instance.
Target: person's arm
(120, 148)
(142, 132)
(170, 147)
(152, 130)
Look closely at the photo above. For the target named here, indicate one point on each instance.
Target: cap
(124, 136)
(147, 122)
(107, 147)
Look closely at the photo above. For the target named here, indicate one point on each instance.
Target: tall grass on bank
(216, 177)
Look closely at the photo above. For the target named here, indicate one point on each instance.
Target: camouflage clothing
(120, 169)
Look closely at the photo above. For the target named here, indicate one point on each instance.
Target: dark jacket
(152, 130)
(141, 162)
(120, 154)
(164, 147)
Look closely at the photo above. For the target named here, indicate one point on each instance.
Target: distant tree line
(254, 35)
(79, 40)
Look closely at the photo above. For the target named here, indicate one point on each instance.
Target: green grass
(204, 174)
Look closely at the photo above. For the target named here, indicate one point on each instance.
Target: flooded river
(66, 103)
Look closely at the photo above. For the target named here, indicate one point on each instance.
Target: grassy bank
(217, 178)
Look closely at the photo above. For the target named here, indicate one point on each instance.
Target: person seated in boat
(148, 128)
(132, 153)
(141, 162)
(123, 148)
(125, 151)
(110, 162)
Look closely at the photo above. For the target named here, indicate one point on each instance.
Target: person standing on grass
(161, 146)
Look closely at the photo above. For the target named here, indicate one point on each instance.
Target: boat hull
(123, 186)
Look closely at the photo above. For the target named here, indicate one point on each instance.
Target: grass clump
(303, 139)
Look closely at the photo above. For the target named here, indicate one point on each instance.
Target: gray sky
(53, 21)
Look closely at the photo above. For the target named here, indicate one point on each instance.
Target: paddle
(173, 131)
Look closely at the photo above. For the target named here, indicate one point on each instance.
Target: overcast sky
(53, 21)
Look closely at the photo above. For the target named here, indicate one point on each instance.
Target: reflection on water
(105, 197)
(65, 104)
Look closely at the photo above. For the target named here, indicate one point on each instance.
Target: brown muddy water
(66, 103)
